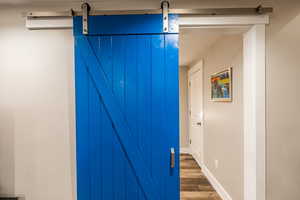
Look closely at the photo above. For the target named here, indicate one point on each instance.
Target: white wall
(283, 97)
(223, 121)
(7, 161)
(183, 86)
(37, 101)
(37, 110)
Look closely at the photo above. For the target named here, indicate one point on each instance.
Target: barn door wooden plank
(108, 151)
(144, 91)
(117, 88)
(130, 106)
(157, 111)
(172, 110)
(116, 115)
(82, 125)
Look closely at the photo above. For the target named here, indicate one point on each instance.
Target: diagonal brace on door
(118, 119)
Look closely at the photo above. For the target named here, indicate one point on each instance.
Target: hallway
(194, 185)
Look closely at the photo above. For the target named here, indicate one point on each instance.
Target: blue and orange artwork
(221, 86)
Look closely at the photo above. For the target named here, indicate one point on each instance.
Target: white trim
(49, 23)
(198, 66)
(222, 20)
(197, 157)
(195, 68)
(254, 113)
(216, 184)
(213, 181)
(185, 150)
(197, 160)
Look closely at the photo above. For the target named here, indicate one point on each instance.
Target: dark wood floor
(194, 185)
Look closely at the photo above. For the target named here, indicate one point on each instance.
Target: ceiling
(193, 42)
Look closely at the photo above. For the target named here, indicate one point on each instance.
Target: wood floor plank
(193, 184)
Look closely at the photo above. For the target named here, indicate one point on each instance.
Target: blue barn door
(126, 73)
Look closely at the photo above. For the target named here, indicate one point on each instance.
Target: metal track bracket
(165, 12)
(85, 18)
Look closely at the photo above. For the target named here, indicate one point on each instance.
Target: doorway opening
(211, 129)
(216, 134)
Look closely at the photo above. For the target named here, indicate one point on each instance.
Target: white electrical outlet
(216, 164)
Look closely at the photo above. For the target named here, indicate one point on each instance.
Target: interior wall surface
(223, 121)
(37, 98)
(183, 87)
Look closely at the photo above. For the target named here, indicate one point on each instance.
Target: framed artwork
(221, 86)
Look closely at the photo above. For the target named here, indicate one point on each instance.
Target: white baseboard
(185, 150)
(196, 156)
(213, 181)
(216, 184)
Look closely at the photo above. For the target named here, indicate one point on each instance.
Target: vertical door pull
(172, 163)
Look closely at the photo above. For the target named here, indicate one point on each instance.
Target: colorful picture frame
(221, 86)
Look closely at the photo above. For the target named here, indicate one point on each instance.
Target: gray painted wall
(223, 121)
(7, 157)
(183, 86)
(36, 110)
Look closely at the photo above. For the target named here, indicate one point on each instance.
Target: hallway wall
(37, 101)
(183, 100)
(223, 121)
(7, 158)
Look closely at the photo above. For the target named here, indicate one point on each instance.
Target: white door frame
(191, 71)
(254, 89)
